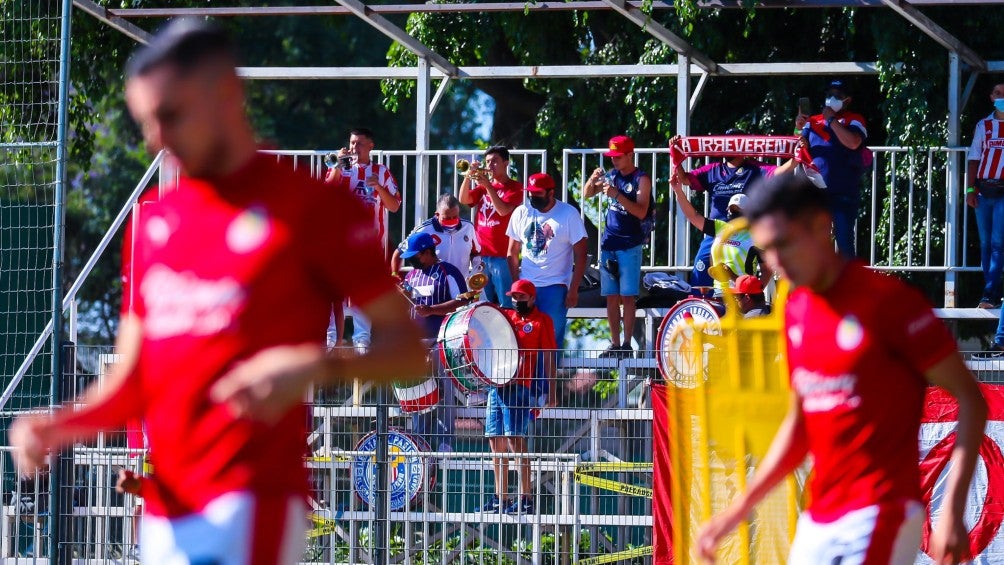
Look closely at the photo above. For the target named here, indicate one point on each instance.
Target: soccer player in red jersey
(232, 275)
(862, 349)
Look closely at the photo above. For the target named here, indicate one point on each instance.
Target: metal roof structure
(691, 62)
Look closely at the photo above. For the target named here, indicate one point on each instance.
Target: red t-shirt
(534, 332)
(220, 271)
(491, 226)
(857, 355)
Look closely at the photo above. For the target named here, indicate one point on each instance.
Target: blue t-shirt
(840, 167)
(623, 229)
(723, 182)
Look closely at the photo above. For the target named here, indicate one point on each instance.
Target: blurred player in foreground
(233, 273)
(862, 348)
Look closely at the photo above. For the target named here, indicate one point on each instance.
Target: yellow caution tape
(326, 459)
(322, 526)
(619, 556)
(582, 475)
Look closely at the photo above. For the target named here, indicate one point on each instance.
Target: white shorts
(234, 529)
(880, 534)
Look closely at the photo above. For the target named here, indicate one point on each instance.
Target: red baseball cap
(524, 286)
(539, 182)
(620, 145)
(747, 284)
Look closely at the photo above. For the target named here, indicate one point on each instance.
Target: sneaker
(626, 351)
(995, 351)
(612, 351)
(521, 505)
(493, 505)
(986, 304)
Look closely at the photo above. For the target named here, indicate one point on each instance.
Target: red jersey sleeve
(913, 332)
(343, 247)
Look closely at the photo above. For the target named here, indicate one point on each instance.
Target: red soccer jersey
(534, 332)
(220, 271)
(857, 355)
(491, 226)
(355, 181)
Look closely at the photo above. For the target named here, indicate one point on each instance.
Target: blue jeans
(844, 210)
(628, 279)
(499, 280)
(508, 411)
(699, 275)
(551, 301)
(990, 221)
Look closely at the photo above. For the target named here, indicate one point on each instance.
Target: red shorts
(237, 528)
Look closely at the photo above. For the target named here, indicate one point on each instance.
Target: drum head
(410, 473)
(677, 352)
(493, 346)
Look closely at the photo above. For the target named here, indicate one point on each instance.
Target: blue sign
(409, 472)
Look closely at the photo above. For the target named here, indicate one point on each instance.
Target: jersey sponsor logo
(184, 304)
(538, 236)
(918, 325)
(436, 239)
(850, 334)
(249, 230)
(823, 393)
(158, 231)
(995, 143)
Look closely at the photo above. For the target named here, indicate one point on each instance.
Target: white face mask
(834, 103)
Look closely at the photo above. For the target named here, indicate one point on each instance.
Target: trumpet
(343, 161)
(464, 168)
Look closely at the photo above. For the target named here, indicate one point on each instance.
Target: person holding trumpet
(630, 213)
(488, 186)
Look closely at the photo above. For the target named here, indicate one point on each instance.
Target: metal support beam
(422, 90)
(116, 22)
(698, 90)
(391, 30)
(954, 173)
(968, 90)
(555, 71)
(660, 32)
(444, 85)
(936, 32)
(680, 248)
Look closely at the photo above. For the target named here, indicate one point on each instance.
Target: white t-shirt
(452, 246)
(547, 239)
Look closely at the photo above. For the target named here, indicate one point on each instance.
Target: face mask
(522, 307)
(539, 202)
(834, 103)
(415, 262)
(999, 104)
(732, 215)
(450, 222)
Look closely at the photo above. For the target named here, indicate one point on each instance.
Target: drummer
(507, 419)
(436, 288)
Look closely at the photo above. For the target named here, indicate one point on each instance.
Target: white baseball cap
(739, 201)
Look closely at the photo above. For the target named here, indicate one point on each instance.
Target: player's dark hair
(499, 150)
(365, 132)
(790, 195)
(186, 43)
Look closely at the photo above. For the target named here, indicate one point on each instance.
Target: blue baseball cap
(417, 243)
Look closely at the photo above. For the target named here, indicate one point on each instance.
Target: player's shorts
(508, 411)
(886, 534)
(626, 281)
(235, 529)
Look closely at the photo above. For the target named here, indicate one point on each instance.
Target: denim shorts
(628, 279)
(508, 411)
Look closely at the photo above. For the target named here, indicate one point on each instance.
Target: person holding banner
(630, 213)
(860, 365)
(723, 180)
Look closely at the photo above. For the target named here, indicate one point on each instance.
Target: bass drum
(679, 356)
(478, 348)
(417, 397)
(411, 472)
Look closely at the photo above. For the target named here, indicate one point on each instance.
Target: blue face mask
(999, 104)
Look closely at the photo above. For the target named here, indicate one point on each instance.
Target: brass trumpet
(464, 168)
(344, 161)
